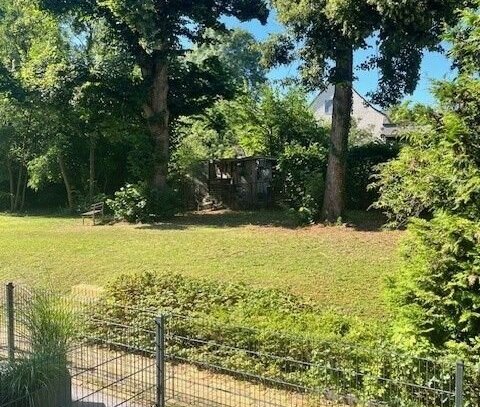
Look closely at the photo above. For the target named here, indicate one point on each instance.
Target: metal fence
(174, 360)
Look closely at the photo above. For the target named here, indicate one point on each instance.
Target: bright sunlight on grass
(337, 266)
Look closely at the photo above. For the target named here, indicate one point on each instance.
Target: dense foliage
(437, 178)
(268, 333)
(262, 122)
(325, 35)
(130, 203)
(437, 296)
(157, 34)
(362, 163)
(438, 167)
(71, 117)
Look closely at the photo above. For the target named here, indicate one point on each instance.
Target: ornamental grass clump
(41, 376)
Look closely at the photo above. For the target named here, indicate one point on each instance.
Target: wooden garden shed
(242, 183)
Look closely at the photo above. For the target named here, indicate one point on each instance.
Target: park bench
(95, 209)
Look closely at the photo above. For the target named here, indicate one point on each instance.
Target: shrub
(300, 180)
(361, 166)
(131, 203)
(138, 203)
(438, 168)
(436, 296)
(419, 181)
(234, 304)
(215, 323)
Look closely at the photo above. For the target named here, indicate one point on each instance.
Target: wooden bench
(95, 209)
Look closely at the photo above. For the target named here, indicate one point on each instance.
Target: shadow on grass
(366, 221)
(226, 219)
(42, 214)
(358, 220)
(362, 221)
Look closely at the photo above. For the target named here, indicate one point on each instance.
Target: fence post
(459, 376)
(160, 360)
(10, 315)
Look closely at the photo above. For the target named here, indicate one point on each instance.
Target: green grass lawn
(341, 267)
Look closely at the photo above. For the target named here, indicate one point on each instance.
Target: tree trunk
(157, 114)
(91, 179)
(12, 185)
(19, 188)
(334, 199)
(24, 191)
(66, 181)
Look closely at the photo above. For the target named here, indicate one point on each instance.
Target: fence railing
(134, 356)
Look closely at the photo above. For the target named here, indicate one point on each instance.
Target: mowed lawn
(340, 267)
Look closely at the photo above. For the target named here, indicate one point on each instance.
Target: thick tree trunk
(158, 116)
(91, 179)
(334, 199)
(66, 181)
(12, 185)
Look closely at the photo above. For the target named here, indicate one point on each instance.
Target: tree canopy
(74, 95)
(155, 33)
(328, 32)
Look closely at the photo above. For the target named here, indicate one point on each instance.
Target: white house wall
(365, 115)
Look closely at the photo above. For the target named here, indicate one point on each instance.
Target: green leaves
(466, 40)
(400, 29)
(433, 294)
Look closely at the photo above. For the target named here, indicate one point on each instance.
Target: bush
(300, 180)
(419, 181)
(436, 296)
(438, 168)
(138, 203)
(234, 304)
(361, 166)
(215, 323)
(131, 203)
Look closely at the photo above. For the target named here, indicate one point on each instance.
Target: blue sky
(434, 65)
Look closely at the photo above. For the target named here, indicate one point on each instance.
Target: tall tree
(156, 32)
(105, 91)
(33, 59)
(330, 31)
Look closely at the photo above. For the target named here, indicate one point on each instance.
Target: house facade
(366, 116)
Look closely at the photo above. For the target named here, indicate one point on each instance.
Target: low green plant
(138, 203)
(131, 203)
(263, 332)
(269, 322)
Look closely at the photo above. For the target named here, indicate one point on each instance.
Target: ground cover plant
(240, 330)
(344, 268)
